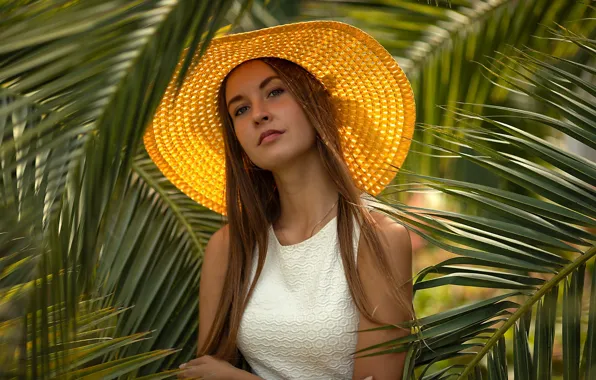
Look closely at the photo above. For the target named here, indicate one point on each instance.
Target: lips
(269, 133)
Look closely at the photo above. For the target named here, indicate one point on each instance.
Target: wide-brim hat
(372, 96)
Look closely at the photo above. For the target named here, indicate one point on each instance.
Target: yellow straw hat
(372, 94)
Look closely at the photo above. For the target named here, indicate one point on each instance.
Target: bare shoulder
(396, 248)
(218, 247)
(394, 236)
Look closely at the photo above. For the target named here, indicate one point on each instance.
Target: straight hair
(252, 201)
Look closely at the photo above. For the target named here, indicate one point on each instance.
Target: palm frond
(79, 81)
(440, 43)
(523, 235)
(152, 258)
(86, 214)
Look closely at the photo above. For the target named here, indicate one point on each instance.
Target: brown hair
(253, 202)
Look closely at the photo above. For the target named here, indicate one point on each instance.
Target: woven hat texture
(372, 95)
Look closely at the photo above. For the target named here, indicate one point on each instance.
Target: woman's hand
(208, 368)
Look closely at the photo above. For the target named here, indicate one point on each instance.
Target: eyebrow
(261, 86)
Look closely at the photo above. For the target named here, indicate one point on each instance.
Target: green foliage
(100, 255)
(79, 83)
(440, 43)
(517, 237)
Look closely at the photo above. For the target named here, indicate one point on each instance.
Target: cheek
(241, 134)
(245, 139)
(303, 125)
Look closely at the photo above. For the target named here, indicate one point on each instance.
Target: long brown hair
(253, 202)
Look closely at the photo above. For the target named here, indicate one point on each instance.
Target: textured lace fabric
(301, 322)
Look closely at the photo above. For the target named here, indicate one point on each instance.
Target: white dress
(301, 322)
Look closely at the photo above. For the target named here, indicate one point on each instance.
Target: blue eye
(275, 92)
(281, 90)
(238, 111)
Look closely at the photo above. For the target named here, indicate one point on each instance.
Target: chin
(278, 159)
(275, 162)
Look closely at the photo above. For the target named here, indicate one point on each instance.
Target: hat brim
(372, 95)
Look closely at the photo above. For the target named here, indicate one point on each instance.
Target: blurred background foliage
(100, 255)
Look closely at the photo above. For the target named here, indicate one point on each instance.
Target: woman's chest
(301, 315)
(315, 299)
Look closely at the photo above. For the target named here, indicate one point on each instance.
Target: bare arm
(213, 272)
(395, 239)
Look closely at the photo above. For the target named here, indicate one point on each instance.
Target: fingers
(198, 361)
(187, 374)
(195, 368)
(190, 373)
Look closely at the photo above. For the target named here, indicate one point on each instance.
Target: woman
(312, 116)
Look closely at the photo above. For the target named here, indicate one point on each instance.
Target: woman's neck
(307, 194)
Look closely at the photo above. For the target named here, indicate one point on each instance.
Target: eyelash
(275, 89)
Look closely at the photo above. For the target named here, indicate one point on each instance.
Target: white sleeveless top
(301, 322)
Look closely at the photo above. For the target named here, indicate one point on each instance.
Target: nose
(260, 114)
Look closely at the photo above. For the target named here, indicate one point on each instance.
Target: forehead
(246, 76)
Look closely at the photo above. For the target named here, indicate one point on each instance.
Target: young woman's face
(269, 123)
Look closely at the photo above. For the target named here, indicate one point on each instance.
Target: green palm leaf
(549, 173)
(89, 223)
(439, 43)
(79, 81)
